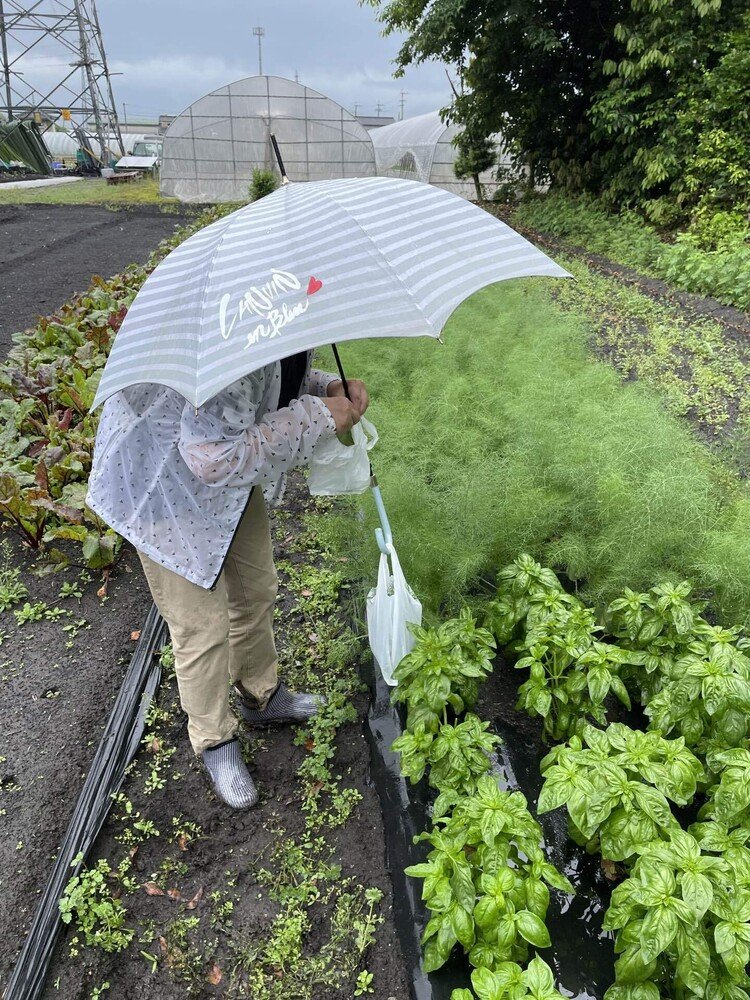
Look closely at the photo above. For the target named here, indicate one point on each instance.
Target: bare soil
(48, 253)
(54, 705)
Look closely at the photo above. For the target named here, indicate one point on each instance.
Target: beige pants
(224, 634)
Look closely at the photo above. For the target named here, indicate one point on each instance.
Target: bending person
(189, 488)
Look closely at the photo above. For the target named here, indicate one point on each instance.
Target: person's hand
(344, 413)
(357, 390)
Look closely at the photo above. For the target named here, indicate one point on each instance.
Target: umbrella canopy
(309, 265)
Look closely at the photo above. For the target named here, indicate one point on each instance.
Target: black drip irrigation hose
(118, 746)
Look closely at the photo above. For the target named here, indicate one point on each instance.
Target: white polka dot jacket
(175, 481)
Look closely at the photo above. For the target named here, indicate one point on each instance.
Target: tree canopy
(644, 101)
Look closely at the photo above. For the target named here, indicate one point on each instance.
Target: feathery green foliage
(509, 438)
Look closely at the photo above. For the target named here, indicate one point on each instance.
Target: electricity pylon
(54, 65)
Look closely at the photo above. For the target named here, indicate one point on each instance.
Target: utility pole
(378, 109)
(296, 76)
(259, 33)
(124, 116)
(402, 101)
(66, 36)
(356, 106)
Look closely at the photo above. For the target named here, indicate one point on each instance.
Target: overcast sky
(173, 51)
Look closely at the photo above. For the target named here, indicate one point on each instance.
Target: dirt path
(48, 253)
(249, 870)
(58, 679)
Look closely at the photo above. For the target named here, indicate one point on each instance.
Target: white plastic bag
(337, 468)
(390, 605)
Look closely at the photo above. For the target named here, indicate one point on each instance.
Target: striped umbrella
(309, 265)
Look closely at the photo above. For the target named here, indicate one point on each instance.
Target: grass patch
(93, 191)
(509, 438)
(711, 259)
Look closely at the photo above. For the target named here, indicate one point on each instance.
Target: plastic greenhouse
(422, 149)
(210, 150)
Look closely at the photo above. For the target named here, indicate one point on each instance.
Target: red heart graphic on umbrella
(314, 286)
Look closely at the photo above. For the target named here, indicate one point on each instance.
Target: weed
(364, 983)
(721, 270)
(12, 588)
(98, 915)
(30, 612)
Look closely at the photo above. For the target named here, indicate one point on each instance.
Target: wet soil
(48, 253)
(54, 702)
(581, 955)
(50, 739)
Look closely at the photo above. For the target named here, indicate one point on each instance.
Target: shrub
(712, 258)
(264, 182)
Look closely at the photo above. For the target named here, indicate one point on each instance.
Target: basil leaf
(462, 926)
(697, 892)
(693, 959)
(631, 967)
(462, 885)
(486, 913)
(660, 926)
(532, 929)
(486, 985)
(538, 978)
(654, 804)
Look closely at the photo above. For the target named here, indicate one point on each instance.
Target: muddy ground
(48, 253)
(58, 680)
(56, 701)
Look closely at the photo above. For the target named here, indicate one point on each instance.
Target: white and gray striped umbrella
(308, 265)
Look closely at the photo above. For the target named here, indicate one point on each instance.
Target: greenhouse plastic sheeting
(211, 149)
(421, 149)
(64, 145)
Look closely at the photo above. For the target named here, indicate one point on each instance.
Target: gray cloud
(173, 51)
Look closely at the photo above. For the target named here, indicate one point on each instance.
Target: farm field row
(512, 437)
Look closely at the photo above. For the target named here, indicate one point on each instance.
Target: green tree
(530, 69)
(664, 123)
(476, 153)
(647, 101)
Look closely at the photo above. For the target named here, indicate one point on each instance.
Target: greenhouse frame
(421, 149)
(212, 148)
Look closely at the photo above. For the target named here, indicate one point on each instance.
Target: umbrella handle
(383, 534)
